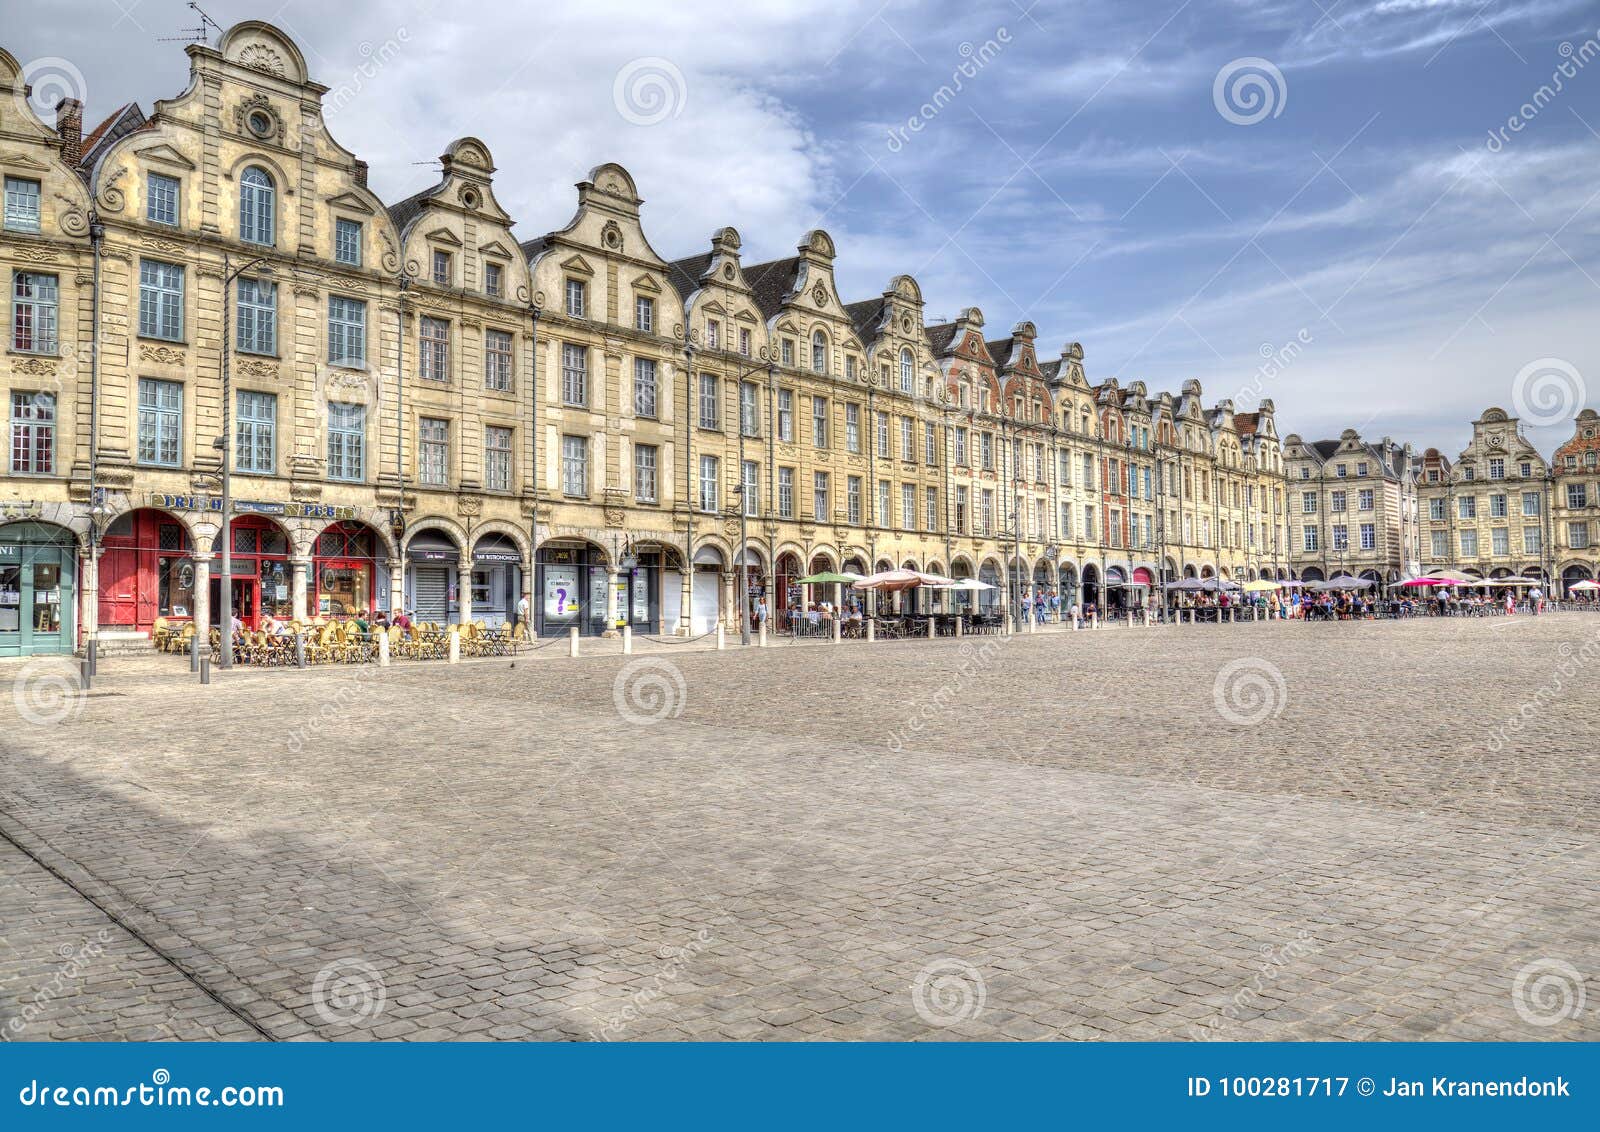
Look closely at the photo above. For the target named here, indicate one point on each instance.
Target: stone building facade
(422, 411)
(1575, 503)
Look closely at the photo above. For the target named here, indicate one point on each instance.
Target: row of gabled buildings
(421, 410)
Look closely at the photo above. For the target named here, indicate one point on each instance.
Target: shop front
(38, 574)
(347, 567)
(432, 561)
(496, 579)
(262, 576)
(145, 571)
(571, 581)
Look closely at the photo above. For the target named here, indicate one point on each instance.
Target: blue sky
(1084, 176)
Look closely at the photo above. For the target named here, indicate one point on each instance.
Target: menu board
(560, 591)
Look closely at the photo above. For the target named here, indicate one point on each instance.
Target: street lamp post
(224, 443)
(744, 503)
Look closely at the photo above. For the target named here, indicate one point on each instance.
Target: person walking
(524, 626)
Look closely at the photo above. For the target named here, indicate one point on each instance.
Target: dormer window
(22, 205)
(644, 314)
(576, 296)
(713, 334)
(441, 268)
(788, 351)
(906, 375)
(819, 352)
(494, 280)
(347, 242)
(744, 342)
(257, 204)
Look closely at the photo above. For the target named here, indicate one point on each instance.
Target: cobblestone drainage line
(121, 922)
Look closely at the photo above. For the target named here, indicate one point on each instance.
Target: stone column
(730, 598)
(612, 612)
(464, 588)
(89, 593)
(298, 590)
(202, 593)
(397, 584)
(685, 626)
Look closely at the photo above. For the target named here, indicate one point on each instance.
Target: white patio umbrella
(902, 579)
(965, 585)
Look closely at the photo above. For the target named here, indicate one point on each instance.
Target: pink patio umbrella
(893, 581)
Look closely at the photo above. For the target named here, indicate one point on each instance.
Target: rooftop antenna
(201, 34)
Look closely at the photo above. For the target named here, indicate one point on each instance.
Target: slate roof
(407, 210)
(1000, 351)
(940, 336)
(533, 247)
(865, 315)
(685, 273)
(121, 122)
(771, 281)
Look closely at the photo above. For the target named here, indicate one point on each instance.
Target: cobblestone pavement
(1366, 830)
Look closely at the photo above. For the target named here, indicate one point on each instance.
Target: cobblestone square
(1275, 831)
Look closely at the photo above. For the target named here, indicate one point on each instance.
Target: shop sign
(560, 591)
(496, 556)
(185, 502)
(256, 508)
(318, 511)
(432, 555)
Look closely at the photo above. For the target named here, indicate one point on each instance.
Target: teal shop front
(38, 590)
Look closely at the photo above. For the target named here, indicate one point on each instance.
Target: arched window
(256, 206)
(905, 371)
(819, 352)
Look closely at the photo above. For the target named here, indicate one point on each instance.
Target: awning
(1141, 577)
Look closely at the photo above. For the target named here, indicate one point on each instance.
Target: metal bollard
(572, 643)
(194, 652)
(299, 650)
(627, 640)
(94, 657)
(722, 637)
(872, 629)
(85, 674)
(383, 649)
(205, 670)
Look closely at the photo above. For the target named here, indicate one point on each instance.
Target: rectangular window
(258, 317)
(908, 506)
(255, 435)
(986, 511)
(1308, 537)
(1500, 541)
(1088, 471)
(908, 439)
(497, 360)
(1441, 543)
(786, 415)
(1308, 502)
(1469, 544)
(852, 500)
(961, 510)
(433, 450)
(930, 443)
(882, 422)
(645, 461)
(749, 409)
(347, 441)
(575, 465)
(22, 205)
(497, 458)
(347, 241)
(644, 314)
(347, 331)
(160, 422)
(1364, 499)
(33, 433)
(574, 374)
(576, 298)
(1436, 509)
(433, 358)
(1530, 503)
(35, 303)
(1336, 502)
(819, 497)
(713, 334)
(160, 300)
(441, 268)
(785, 493)
(1467, 507)
(744, 342)
(819, 422)
(986, 450)
(1532, 540)
(1497, 507)
(644, 388)
(750, 487)
(1577, 495)
(708, 483)
(961, 446)
(885, 518)
(161, 199)
(708, 401)
(1497, 468)
(852, 427)
(1578, 536)
(494, 280)
(1369, 537)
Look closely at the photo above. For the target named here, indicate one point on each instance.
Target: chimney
(361, 173)
(69, 124)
